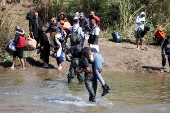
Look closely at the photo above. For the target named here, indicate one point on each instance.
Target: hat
(81, 14)
(76, 18)
(147, 28)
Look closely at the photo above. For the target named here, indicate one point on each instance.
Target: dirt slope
(123, 56)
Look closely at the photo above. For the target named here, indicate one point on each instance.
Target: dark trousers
(74, 64)
(45, 53)
(91, 84)
(164, 60)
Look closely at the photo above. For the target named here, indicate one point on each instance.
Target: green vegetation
(115, 15)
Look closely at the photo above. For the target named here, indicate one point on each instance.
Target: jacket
(75, 28)
(158, 35)
(139, 19)
(34, 28)
(19, 39)
(94, 35)
(90, 18)
(166, 48)
(55, 28)
(83, 22)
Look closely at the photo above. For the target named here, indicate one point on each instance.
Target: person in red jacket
(93, 16)
(19, 45)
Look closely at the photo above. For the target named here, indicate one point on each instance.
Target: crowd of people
(86, 62)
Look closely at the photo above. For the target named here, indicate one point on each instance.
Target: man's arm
(16, 37)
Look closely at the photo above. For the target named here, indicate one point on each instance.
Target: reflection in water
(46, 90)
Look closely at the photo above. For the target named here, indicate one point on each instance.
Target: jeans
(98, 63)
(83, 42)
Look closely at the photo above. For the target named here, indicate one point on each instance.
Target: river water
(47, 91)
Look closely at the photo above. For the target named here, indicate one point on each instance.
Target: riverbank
(118, 56)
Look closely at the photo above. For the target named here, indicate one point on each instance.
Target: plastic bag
(8, 50)
(31, 43)
(95, 46)
(116, 37)
(58, 54)
(12, 45)
(62, 57)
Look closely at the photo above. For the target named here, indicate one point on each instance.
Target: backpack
(74, 36)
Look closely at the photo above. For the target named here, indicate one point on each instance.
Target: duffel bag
(31, 43)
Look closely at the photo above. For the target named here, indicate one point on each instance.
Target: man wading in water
(97, 62)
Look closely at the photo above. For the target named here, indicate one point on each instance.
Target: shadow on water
(152, 68)
(37, 63)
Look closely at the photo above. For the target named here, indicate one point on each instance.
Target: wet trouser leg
(91, 86)
(98, 63)
(163, 60)
(72, 74)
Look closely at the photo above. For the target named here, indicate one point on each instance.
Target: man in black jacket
(35, 26)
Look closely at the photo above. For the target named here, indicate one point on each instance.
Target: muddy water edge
(47, 90)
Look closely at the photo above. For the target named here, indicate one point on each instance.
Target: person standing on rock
(19, 45)
(35, 26)
(166, 52)
(76, 55)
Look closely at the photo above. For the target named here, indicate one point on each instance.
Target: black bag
(116, 37)
(8, 50)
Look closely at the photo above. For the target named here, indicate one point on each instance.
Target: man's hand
(76, 71)
(100, 70)
(87, 25)
(87, 69)
(42, 47)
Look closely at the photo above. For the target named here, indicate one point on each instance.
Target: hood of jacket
(142, 13)
(29, 16)
(20, 32)
(160, 29)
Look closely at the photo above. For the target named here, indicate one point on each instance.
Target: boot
(106, 89)
(92, 98)
(69, 80)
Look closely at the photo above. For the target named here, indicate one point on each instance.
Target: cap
(81, 14)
